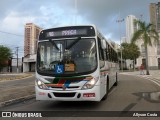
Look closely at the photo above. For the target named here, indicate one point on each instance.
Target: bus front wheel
(107, 90)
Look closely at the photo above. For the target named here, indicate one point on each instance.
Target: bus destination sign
(71, 32)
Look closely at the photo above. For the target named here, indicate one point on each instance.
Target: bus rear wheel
(116, 83)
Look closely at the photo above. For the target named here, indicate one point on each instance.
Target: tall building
(30, 46)
(31, 36)
(130, 27)
(123, 39)
(155, 15)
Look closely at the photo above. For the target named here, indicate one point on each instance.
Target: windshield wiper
(76, 41)
(54, 44)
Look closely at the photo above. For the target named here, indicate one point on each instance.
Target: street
(98, 59)
(131, 94)
(14, 89)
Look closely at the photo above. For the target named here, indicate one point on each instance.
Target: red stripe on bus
(60, 83)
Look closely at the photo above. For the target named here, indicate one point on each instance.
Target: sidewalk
(153, 74)
(153, 77)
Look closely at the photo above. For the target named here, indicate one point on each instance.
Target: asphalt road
(14, 83)
(13, 89)
(131, 94)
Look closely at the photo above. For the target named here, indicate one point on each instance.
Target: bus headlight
(41, 85)
(90, 84)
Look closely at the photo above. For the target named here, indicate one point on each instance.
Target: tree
(134, 53)
(125, 50)
(5, 54)
(130, 51)
(147, 33)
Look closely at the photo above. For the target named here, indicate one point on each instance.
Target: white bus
(75, 63)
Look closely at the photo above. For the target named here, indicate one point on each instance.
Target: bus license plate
(88, 94)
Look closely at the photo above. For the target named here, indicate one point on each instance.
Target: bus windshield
(66, 57)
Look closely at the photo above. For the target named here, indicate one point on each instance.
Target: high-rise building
(155, 15)
(123, 39)
(130, 27)
(31, 36)
(30, 46)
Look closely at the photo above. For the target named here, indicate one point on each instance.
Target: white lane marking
(155, 82)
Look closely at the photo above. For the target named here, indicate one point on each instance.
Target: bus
(75, 63)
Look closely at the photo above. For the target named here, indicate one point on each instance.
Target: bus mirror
(103, 44)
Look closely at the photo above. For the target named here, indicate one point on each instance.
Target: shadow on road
(153, 97)
(74, 105)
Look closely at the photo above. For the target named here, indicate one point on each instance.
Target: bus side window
(106, 51)
(113, 52)
(116, 60)
(109, 53)
(101, 53)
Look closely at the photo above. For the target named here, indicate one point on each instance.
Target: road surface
(132, 94)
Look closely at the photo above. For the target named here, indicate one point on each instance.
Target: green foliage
(5, 54)
(148, 34)
(129, 51)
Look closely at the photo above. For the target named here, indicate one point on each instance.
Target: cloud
(53, 13)
(104, 13)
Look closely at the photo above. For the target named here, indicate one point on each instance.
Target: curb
(14, 101)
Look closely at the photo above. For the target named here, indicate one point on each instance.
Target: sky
(14, 14)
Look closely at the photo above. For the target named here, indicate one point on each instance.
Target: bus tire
(116, 83)
(107, 90)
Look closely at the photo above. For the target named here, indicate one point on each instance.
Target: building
(31, 36)
(155, 15)
(12, 65)
(124, 40)
(153, 56)
(130, 30)
(30, 46)
(154, 50)
(130, 27)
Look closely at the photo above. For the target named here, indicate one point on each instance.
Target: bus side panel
(102, 86)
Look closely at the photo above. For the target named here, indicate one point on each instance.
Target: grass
(16, 77)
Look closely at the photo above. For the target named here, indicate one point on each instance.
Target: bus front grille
(71, 94)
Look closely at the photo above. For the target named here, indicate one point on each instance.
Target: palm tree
(147, 33)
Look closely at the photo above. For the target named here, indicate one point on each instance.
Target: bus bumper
(77, 95)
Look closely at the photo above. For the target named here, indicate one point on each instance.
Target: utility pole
(119, 21)
(17, 58)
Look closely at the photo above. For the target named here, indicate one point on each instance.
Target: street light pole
(119, 21)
